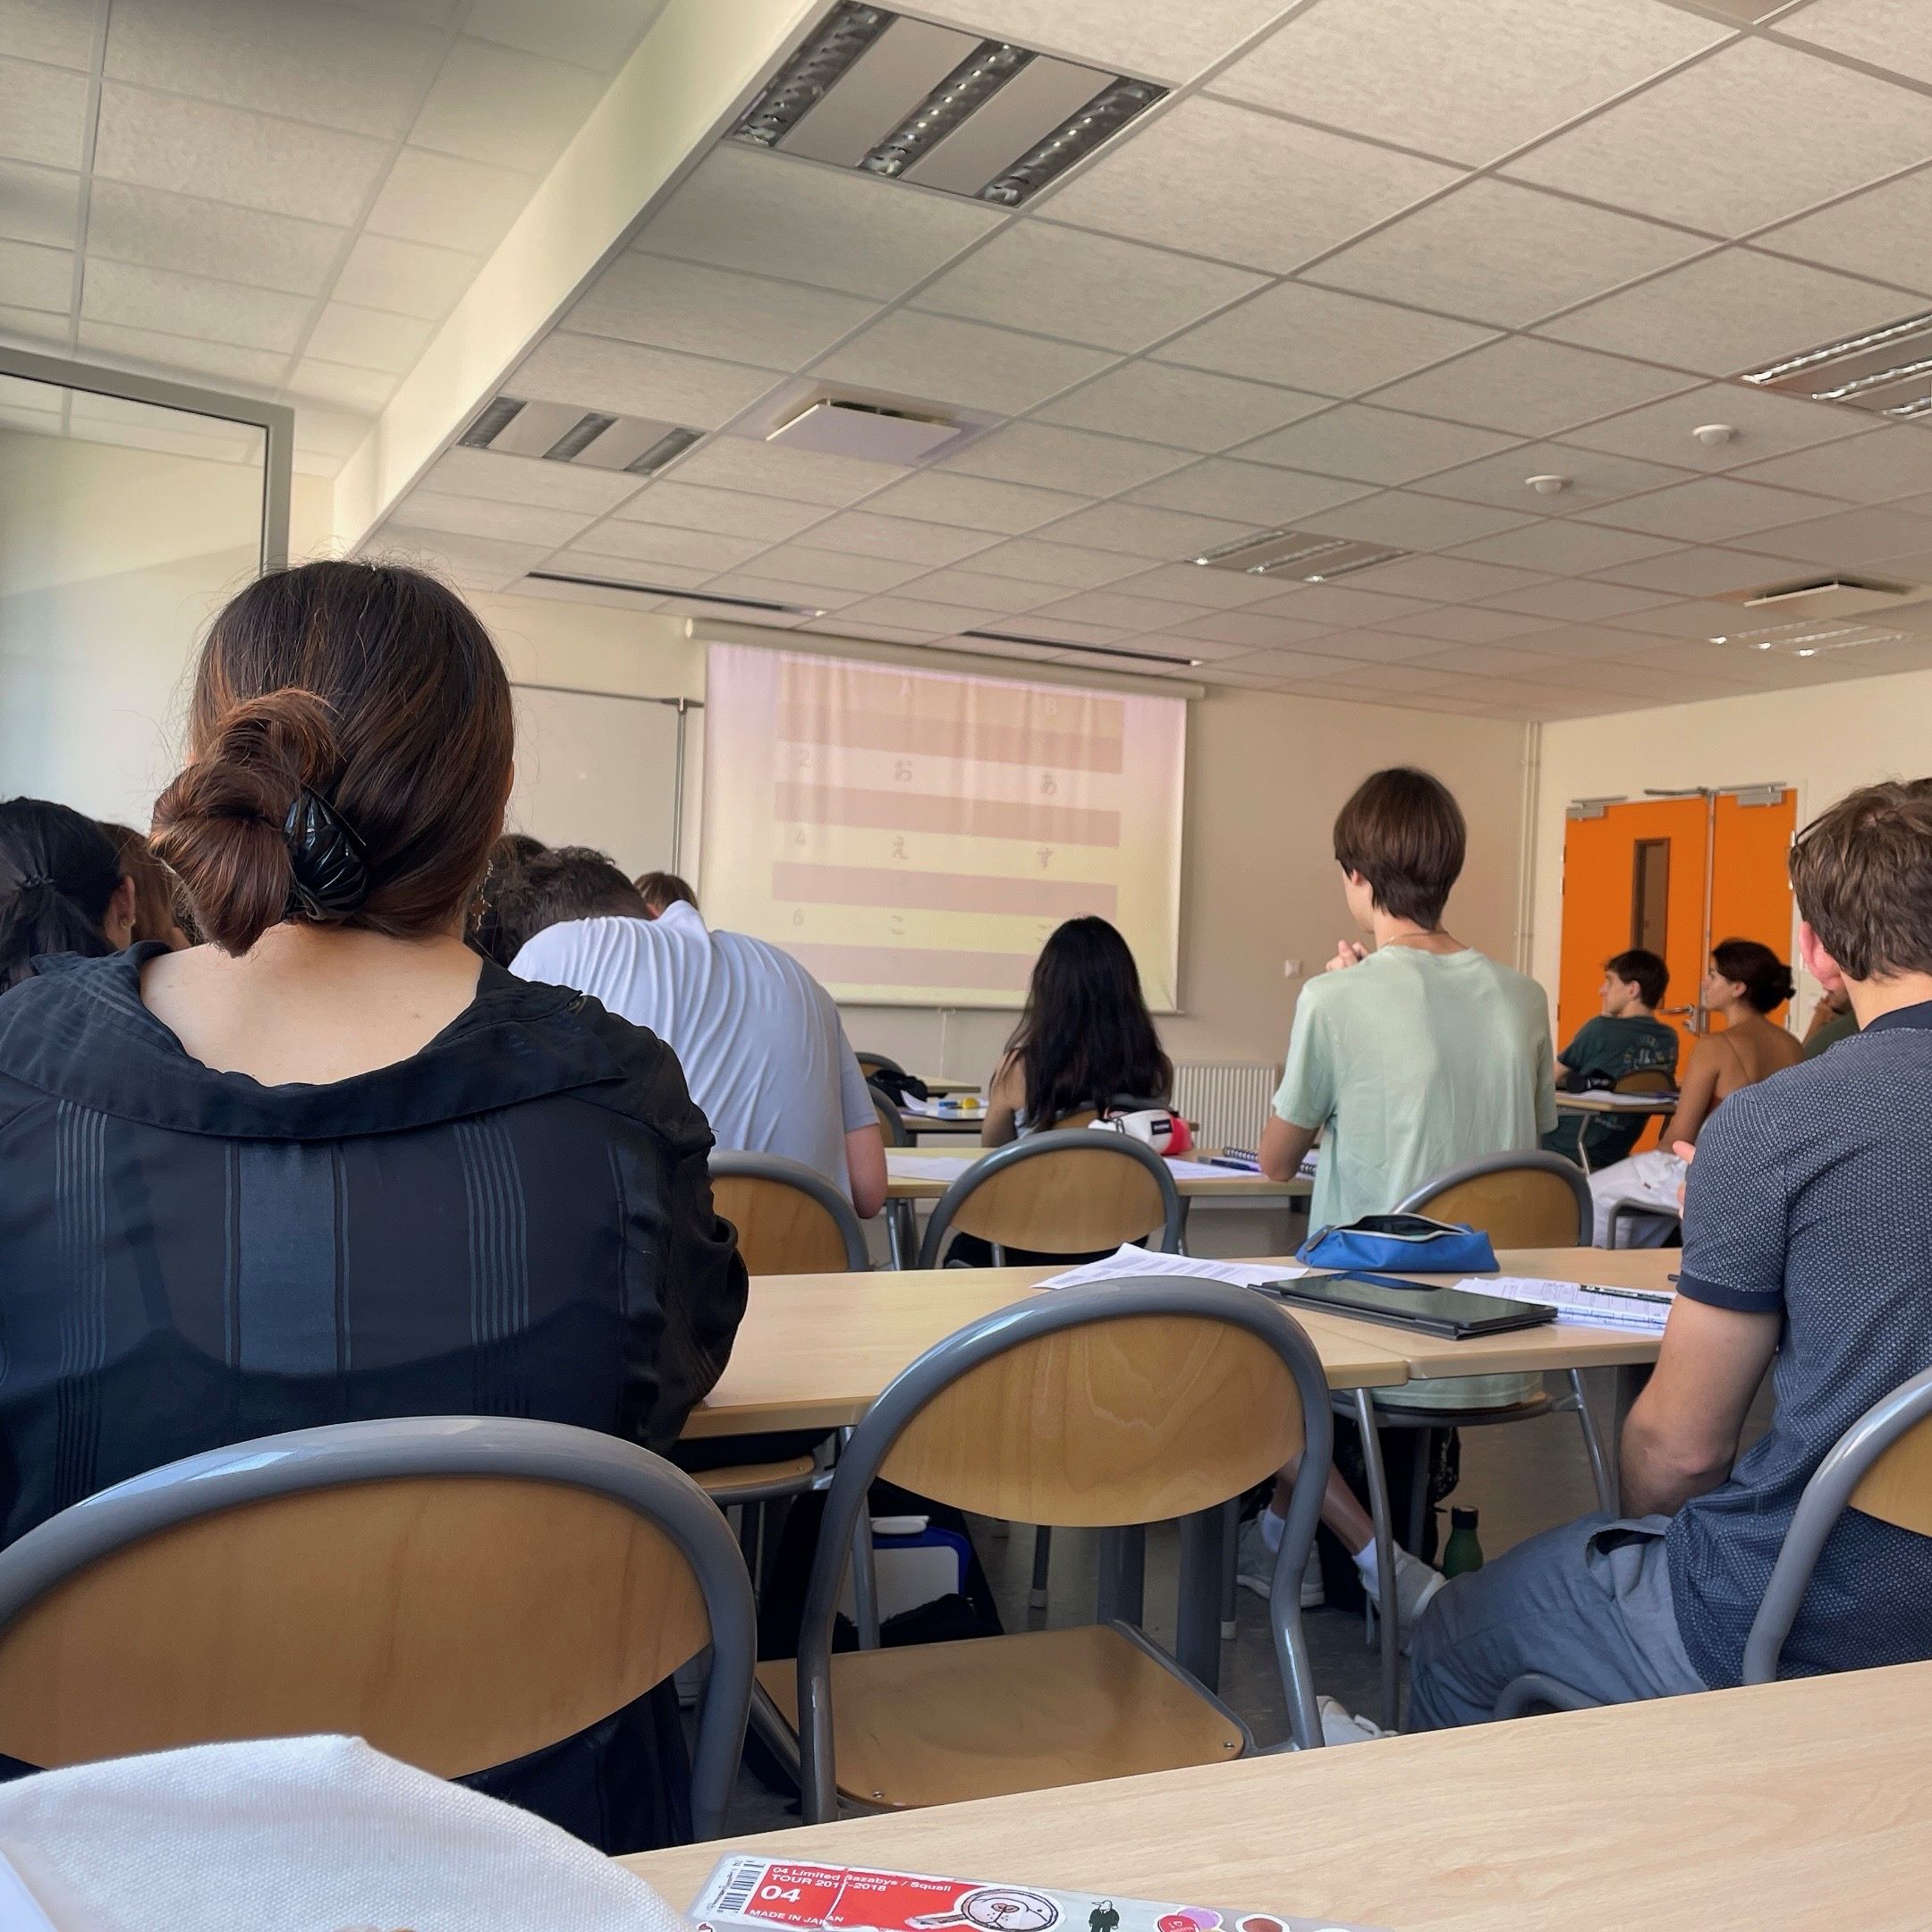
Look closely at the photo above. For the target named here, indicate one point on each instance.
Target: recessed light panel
(1886, 371)
(1303, 555)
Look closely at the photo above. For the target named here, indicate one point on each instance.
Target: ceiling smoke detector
(564, 432)
(1306, 554)
(1548, 485)
(1885, 372)
(1714, 435)
(909, 100)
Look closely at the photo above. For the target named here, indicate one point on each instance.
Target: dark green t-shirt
(1610, 1049)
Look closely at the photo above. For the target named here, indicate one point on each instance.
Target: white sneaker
(1416, 1585)
(1254, 1567)
(1342, 1726)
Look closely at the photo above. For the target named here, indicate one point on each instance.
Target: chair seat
(740, 1482)
(1398, 1415)
(934, 1724)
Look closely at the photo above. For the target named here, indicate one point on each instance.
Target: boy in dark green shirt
(1627, 1037)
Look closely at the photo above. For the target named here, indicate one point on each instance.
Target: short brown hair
(573, 882)
(1862, 873)
(661, 889)
(158, 892)
(1404, 833)
(373, 689)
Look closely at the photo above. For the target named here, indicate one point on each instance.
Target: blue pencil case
(1400, 1244)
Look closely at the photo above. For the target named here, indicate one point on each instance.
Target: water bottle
(1463, 1553)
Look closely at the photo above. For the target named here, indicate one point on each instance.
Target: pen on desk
(1628, 1294)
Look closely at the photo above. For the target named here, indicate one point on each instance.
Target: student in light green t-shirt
(1407, 1059)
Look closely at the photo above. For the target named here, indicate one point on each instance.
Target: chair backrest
(791, 1220)
(1067, 1191)
(459, 1590)
(1134, 1401)
(891, 1122)
(1518, 1200)
(870, 1064)
(1881, 1466)
(1646, 1080)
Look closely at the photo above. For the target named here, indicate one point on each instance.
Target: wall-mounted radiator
(1228, 1103)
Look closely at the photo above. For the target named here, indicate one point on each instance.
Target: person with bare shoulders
(332, 1164)
(1745, 982)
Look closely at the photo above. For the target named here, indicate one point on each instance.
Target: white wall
(1825, 741)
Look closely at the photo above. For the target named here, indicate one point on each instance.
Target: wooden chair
(1529, 1199)
(901, 1223)
(791, 1220)
(1881, 1466)
(1130, 1403)
(457, 1589)
(870, 1064)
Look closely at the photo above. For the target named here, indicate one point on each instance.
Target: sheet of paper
(1184, 1169)
(1129, 1261)
(1599, 1307)
(771, 1893)
(948, 1167)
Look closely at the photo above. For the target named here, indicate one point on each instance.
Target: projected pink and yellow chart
(912, 836)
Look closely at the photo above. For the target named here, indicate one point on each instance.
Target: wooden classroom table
(1639, 1106)
(919, 1124)
(1236, 1185)
(1797, 1806)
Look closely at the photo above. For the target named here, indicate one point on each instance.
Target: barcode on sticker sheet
(740, 1885)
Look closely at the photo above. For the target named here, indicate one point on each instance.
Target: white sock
(1365, 1561)
(1271, 1527)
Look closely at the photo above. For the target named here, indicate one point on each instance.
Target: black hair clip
(330, 866)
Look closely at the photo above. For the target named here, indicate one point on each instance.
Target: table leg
(1206, 1552)
(1121, 1595)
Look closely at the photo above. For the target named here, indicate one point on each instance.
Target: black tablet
(1453, 1312)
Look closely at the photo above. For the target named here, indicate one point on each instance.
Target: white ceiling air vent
(833, 426)
(914, 101)
(1835, 596)
(1305, 554)
(564, 432)
(1885, 372)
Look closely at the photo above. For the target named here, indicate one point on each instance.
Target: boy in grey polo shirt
(1807, 1238)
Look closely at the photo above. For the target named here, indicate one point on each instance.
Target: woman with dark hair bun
(62, 887)
(1747, 982)
(330, 1164)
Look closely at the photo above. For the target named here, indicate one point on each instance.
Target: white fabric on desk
(302, 1835)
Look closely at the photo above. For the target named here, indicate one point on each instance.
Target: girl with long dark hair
(62, 888)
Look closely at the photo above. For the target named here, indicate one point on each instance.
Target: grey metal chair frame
(1368, 1412)
(901, 1222)
(919, 1383)
(892, 1125)
(1031, 1148)
(1624, 1211)
(806, 1181)
(350, 1453)
(868, 1061)
(1825, 1498)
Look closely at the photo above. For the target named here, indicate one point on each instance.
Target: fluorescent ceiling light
(1082, 650)
(1886, 371)
(665, 590)
(968, 88)
(804, 81)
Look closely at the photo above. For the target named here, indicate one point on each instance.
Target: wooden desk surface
(1236, 1186)
(814, 1351)
(1798, 1806)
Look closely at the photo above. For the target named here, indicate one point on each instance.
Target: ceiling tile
(473, 562)
(629, 380)
(1065, 458)
(479, 516)
(1272, 665)
(1486, 660)
(1447, 579)
(907, 613)
(1887, 33)
(33, 277)
(1700, 573)
(1185, 407)
(1691, 618)
(1248, 493)
(404, 277)
(975, 587)
(972, 503)
(1372, 445)
(966, 363)
(1467, 79)
(39, 204)
(343, 387)
(1188, 583)
(1378, 647)
(1885, 232)
(1090, 288)
(1559, 544)
(1340, 607)
(1242, 187)
(369, 338)
(1766, 425)
(1412, 522)
(184, 354)
(1711, 509)
(1531, 387)
(1164, 39)
(338, 433)
(529, 479)
(581, 561)
(837, 228)
(766, 469)
(1851, 536)
(711, 311)
(1058, 563)
(188, 305)
(662, 543)
(1576, 600)
(1467, 623)
(833, 570)
(509, 109)
(1718, 147)
(1131, 614)
(597, 34)
(861, 533)
(1500, 253)
(728, 511)
(1160, 536)
(1395, 677)
(342, 69)
(43, 113)
(1315, 339)
(1893, 460)
(1248, 629)
(59, 33)
(817, 597)
(1593, 478)
(157, 230)
(1730, 311)
(448, 202)
(1070, 631)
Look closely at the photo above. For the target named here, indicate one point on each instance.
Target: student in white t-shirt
(761, 1044)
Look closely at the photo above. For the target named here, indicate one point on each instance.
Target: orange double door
(1675, 875)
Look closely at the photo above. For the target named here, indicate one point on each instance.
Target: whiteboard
(593, 768)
